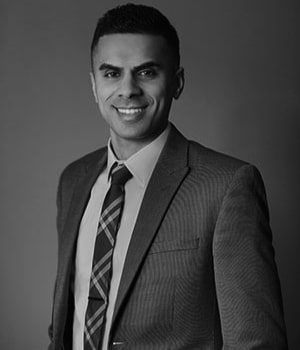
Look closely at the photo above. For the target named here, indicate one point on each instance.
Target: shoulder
(219, 167)
(200, 155)
(79, 166)
(216, 169)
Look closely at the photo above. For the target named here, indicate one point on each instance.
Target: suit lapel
(85, 178)
(168, 174)
(80, 198)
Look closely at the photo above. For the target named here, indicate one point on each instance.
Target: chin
(132, 136)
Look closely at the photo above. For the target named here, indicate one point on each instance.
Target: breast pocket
(174, 245)
(150, 307)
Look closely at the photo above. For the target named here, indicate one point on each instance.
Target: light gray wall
(241, 97)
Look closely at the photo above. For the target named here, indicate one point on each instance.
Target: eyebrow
(150, 64)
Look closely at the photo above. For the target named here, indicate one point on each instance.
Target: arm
(247, 284)
(58, 225)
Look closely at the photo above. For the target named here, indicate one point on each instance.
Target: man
(176, 253)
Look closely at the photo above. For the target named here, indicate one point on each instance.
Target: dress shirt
(141, 165)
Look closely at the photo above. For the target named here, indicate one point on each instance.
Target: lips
(130, 110)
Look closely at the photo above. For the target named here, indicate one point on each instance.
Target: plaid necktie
(102, 260)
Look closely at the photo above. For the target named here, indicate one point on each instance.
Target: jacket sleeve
(247, 283)
(58, 225)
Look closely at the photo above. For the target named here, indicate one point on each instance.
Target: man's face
(134, 82)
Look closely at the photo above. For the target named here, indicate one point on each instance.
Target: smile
(130, 111)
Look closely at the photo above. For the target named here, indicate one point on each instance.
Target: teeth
(129, 110)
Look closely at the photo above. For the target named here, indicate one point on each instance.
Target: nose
(129, 87)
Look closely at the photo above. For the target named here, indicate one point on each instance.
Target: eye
(111, 74)
(147, 73)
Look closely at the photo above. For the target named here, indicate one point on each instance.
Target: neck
(125, 148)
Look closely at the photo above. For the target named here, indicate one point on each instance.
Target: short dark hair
(136, 19)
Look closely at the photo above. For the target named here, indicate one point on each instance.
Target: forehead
(132, 49)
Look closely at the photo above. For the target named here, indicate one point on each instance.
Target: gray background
(241, 97)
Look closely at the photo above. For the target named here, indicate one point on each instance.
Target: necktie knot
(119, 174)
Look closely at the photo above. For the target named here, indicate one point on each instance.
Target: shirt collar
(141, 164)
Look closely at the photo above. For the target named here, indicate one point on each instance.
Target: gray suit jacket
(200, 270)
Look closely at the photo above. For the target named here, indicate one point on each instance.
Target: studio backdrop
(242, 97)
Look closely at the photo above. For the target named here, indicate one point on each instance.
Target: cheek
(103, 100)
(163, 98)
(102, 103)
(162, 92)
(104, 92)
(157, 94)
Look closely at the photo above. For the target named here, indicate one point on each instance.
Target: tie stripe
(102, 259)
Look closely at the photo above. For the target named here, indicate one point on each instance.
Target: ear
(179, 82)
(94, 86)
